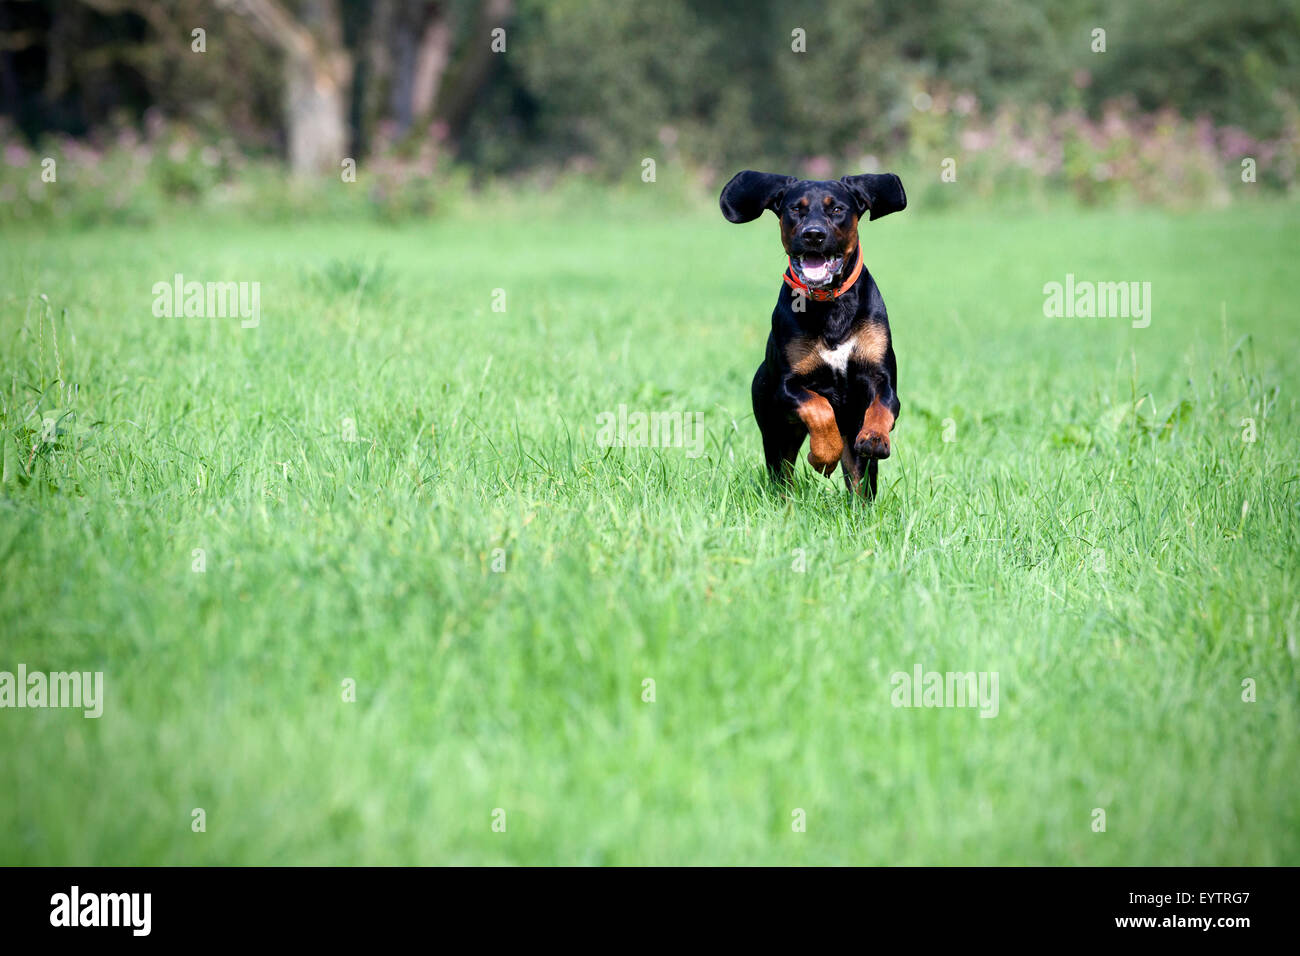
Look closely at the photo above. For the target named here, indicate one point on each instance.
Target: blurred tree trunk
(410, 63)
(475, 65)
(414, 44)
(316, 98)
(374, 74)
(431, 59)
(318, 77)
(430, 64)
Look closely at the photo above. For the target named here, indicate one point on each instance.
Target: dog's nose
(813, 236)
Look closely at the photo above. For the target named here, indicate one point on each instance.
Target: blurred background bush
(141, 122)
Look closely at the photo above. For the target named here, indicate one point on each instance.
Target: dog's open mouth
(817, 270)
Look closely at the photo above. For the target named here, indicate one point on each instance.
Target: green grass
(1098, 533)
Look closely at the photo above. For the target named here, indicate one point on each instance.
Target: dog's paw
(824, 454)
(873, 437)
(871, 443)
(826, 467)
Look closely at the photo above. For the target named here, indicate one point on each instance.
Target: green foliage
(718, 84)
(175, 175)
(1180, 95)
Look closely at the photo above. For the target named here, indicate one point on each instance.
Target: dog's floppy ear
(882, 193)
(749, 193)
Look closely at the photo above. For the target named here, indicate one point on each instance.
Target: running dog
(829, 373)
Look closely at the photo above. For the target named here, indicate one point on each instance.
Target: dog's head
(819, 218)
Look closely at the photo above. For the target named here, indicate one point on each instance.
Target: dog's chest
(809, 355)
(836, 357)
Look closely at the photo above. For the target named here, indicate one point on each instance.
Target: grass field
(1094, 529)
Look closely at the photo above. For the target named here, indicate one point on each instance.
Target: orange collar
(824, 295)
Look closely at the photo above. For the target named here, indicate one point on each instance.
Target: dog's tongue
(814, 267)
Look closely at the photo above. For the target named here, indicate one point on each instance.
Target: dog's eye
(837, 210)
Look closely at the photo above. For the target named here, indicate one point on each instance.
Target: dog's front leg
(871, 443)
(825, 445)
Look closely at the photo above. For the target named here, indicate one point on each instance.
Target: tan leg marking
(873, 438)
(825, 443)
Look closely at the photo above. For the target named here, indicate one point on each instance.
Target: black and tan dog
(830, 372)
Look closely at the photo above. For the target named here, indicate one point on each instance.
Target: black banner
(1225, 906)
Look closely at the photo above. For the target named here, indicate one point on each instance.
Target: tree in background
(318, 71)
(326, 75)
(591, 82)
(423, 62)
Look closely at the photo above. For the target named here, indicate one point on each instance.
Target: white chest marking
(838, 357)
